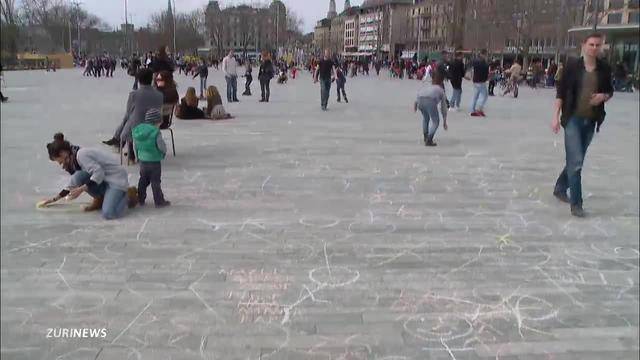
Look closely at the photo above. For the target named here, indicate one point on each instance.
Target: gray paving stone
(298, 234)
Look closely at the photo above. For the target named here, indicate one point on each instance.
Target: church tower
(347, 4)
(332, 10)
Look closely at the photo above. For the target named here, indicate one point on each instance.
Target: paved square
(298, 234)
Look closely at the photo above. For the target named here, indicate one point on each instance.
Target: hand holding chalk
(42, 204)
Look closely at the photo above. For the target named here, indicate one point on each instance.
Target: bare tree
(216, 27)
(246, 29)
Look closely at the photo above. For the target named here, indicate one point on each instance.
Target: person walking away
(150, 150)
(583, 90)
(427, 101)
(134, 67)
(265, 74)
(248, 78)
(203, 72)
(325, 74)
(229, 67)
(551, 74)
(341, 80)
(456, 72)
(480, 75)
(494, 68)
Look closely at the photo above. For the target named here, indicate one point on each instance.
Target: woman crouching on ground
(96, 172)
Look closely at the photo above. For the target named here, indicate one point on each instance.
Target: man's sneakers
(163, 204)
(478, 113)
(561, 196)
(577, 211)
(5, 99)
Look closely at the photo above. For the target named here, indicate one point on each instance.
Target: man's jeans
(456, 98)
(135, 83)
(325, 90)
(232, 88)
(480, 90)
(577, 136)
(115, 200)
(203, 85)
(429, 109)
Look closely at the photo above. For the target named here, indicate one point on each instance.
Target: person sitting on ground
(139, 102)
(215, 110)
(188, 108)
(96, 172)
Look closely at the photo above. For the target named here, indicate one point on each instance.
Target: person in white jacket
(230, 69)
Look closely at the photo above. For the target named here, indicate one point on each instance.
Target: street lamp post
(174, 28)
(595, 4)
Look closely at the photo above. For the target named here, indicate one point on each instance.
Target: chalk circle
(339, 276)
(319, 222)
(62, 207)
(620, 253)
(371, 228)
(532, 308)
(429, 327)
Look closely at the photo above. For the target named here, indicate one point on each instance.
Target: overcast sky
(112, 11)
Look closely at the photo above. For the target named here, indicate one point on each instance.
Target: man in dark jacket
(456, 73)
(203, 72)
(582, 91)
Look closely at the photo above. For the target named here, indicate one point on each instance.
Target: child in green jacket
(150, 149)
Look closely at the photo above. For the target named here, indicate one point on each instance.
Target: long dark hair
(168, 79)
(58, 145)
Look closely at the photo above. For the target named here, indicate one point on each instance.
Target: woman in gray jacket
(96, 172)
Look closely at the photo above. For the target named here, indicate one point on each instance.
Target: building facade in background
(246, 29)
(619, 20)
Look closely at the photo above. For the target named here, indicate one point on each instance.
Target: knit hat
(153, 116)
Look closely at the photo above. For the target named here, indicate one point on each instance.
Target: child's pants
(429, 109)
(340, 87)
(150, 173)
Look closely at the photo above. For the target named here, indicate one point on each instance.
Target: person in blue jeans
(96, 172)
(326, 75)
(427, 101)
(480, 76)
(203, 72)
(583, 89)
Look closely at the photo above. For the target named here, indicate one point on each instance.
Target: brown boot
(132, 195)
(95, 205)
